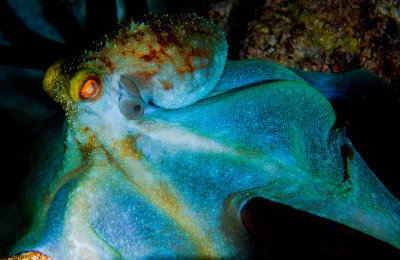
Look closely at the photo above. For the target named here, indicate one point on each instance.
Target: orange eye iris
(90, 89)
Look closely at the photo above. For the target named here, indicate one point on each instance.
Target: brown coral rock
(328, 36)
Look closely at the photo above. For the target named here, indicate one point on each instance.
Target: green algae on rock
(328, 36)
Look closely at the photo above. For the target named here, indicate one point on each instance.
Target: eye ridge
(90, 88)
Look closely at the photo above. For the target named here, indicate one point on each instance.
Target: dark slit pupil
(137, 108)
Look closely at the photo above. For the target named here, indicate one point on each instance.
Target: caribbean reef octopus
(165, 141)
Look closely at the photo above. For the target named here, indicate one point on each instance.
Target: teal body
(173, 183)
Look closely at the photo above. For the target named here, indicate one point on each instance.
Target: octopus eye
(90, 89)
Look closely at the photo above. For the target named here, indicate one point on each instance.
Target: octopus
(165, 141)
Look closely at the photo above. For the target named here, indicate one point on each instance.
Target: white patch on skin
(79, 243)
(81, 249)
(81, 240)
(170, 134)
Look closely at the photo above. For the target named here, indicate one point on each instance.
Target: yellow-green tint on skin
(52, 80)
(161, 195)
(64, 85)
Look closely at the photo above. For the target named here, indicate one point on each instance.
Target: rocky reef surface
(326, 36)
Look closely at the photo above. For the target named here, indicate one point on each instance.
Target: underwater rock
(328, 36)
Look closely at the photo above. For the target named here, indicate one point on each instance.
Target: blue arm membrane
(179, 190)
(334, 86)
(173, 183)
(247, 73)
(339, 86)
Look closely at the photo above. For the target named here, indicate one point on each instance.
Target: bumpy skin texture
(212, 136)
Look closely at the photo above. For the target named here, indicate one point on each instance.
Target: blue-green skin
(263, 131)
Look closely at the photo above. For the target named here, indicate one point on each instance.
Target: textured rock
(327, 36)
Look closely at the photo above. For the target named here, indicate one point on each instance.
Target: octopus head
(162, 62)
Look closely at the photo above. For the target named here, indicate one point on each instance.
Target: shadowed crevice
(28, 49)
(60, 17)
(238, 20)
(286, 233)
(100, 18)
